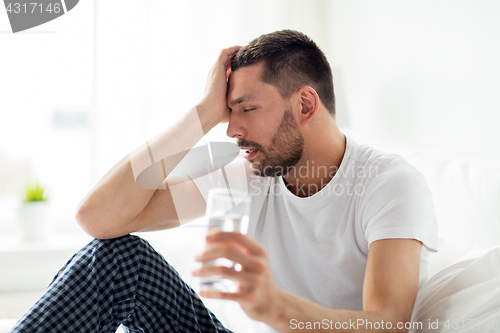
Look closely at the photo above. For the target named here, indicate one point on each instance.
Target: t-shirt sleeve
(398, 204)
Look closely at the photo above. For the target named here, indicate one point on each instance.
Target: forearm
(292, 313)
(110, 208)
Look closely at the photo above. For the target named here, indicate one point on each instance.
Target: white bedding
(463, 297)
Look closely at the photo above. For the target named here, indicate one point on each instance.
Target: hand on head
(214, 104)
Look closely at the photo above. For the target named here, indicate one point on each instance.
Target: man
(335, 241)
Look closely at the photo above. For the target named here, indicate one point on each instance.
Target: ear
(309, 103)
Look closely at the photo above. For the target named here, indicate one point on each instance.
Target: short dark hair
(291, 60)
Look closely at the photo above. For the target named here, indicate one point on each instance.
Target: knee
(117, 246)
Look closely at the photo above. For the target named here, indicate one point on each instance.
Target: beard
(284, 151)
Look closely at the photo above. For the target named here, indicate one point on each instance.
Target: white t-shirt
(318, 245)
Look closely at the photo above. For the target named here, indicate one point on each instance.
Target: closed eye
(247, 110)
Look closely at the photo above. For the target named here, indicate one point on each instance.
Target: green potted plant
(33, 212)
(34, 192)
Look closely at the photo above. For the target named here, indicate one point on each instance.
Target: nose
(235, 128)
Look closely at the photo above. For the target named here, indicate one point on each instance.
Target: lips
(250, 152)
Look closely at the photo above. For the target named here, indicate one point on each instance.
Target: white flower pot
(34, 223)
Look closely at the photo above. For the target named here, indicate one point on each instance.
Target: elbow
(84, 219)
(402, 325)
(92, 224)
(394, 323)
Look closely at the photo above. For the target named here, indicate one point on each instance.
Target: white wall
(423, 73)
(46, 72)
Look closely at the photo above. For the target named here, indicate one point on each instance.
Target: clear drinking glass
(227, 210)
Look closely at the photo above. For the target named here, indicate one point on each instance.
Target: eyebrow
(245, 98)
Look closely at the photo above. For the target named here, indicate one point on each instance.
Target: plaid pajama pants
(118, 281)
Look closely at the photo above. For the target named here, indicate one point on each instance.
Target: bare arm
(389, 290)
(389, 293)
(116, 205)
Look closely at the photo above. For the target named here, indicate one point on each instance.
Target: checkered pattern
(119, 281)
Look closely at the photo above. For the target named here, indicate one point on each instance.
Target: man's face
(263, 123)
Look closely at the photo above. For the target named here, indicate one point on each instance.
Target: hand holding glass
(227, 210)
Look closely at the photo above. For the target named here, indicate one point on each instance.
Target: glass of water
(227, 210)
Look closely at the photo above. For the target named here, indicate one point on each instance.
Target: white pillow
(462, 297)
